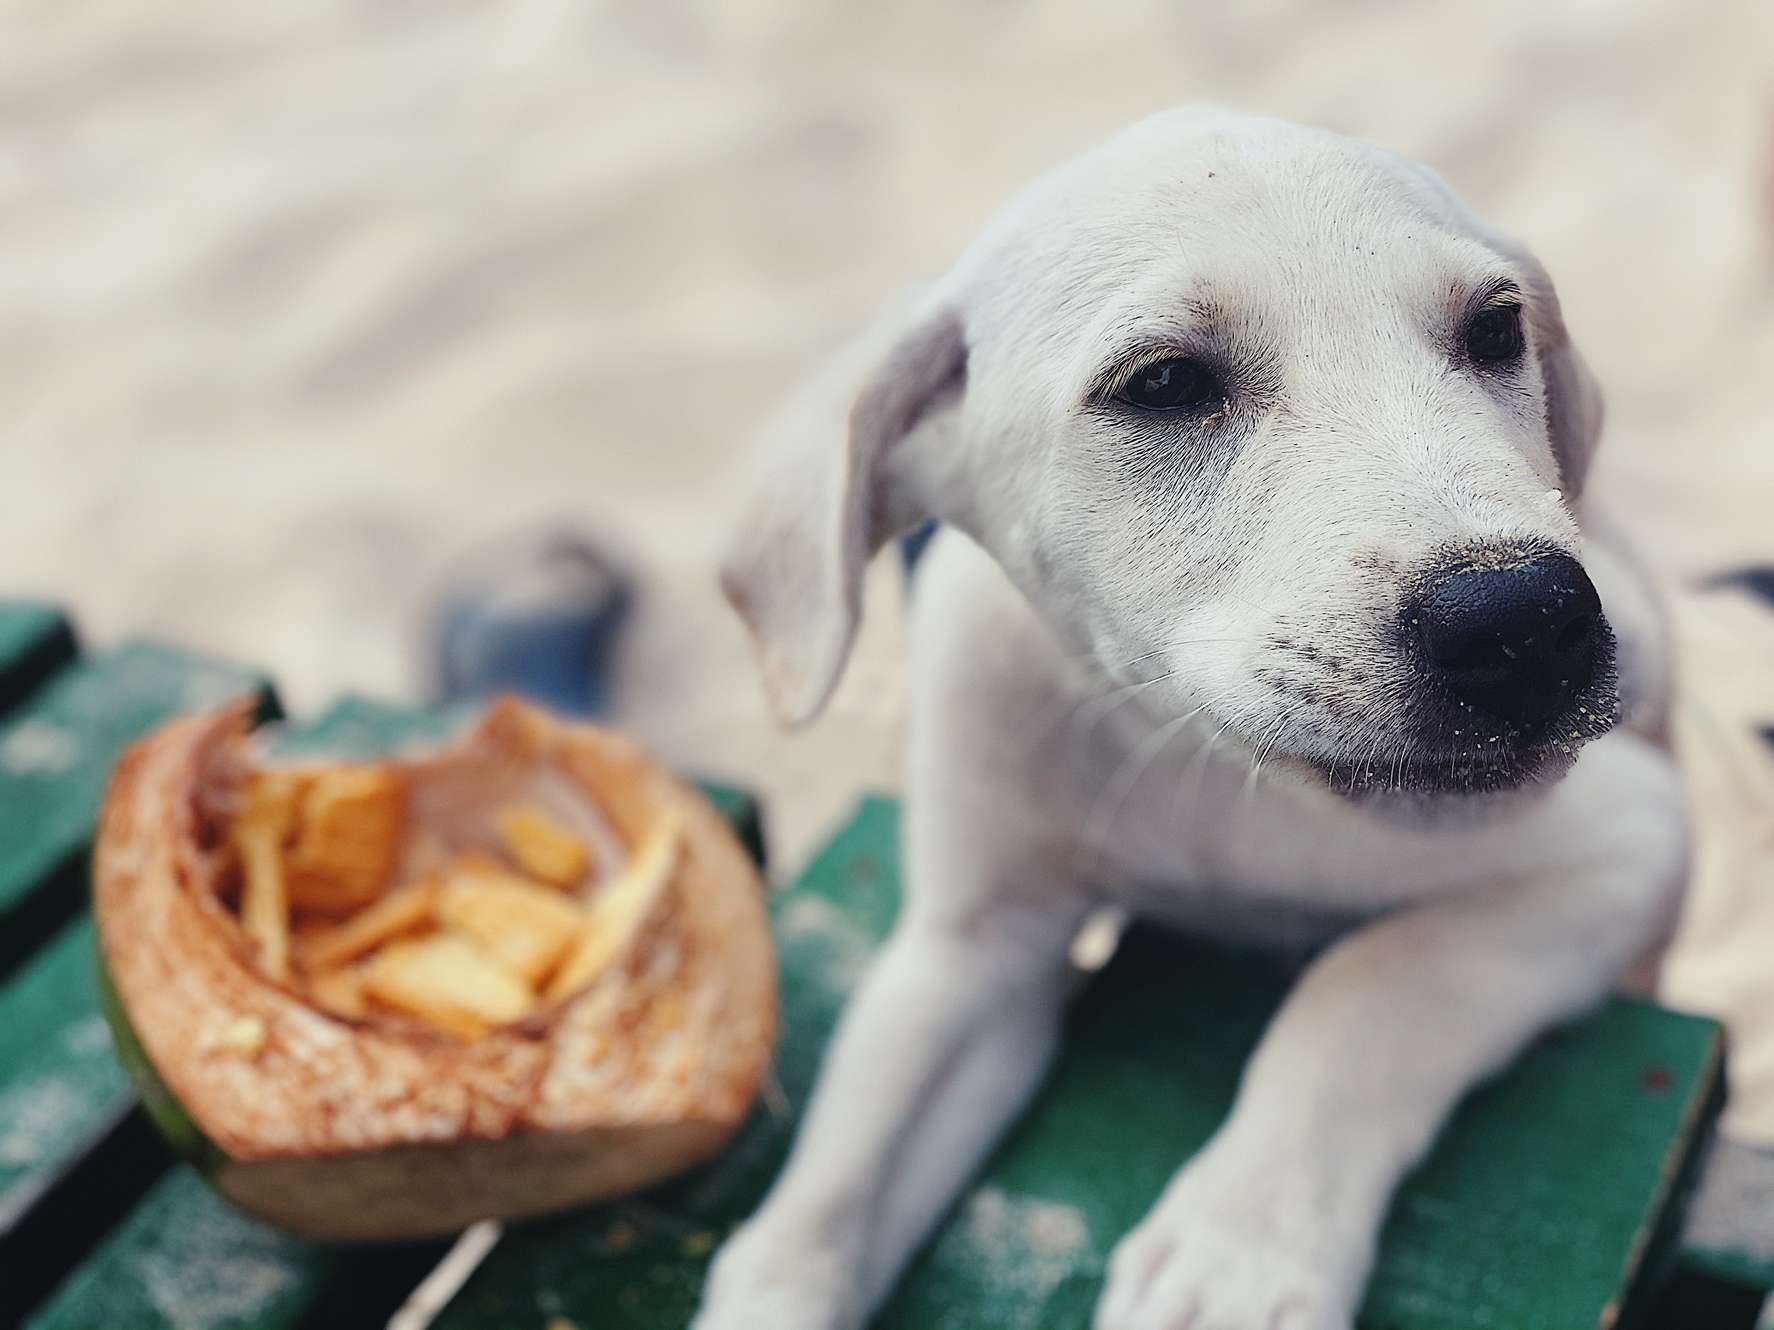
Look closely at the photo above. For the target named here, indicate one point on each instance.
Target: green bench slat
(57, 751)
(1537, 1208)
(64, 1103)
(183, 1258)
(63, 1088)
(35, 641)
(357, 727)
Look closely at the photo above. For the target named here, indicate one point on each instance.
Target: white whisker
(1195, 775)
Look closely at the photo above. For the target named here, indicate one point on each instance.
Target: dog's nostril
(1576, 635)
(1514, 642)
(1478, 656)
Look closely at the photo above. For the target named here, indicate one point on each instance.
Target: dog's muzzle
(1511, 670)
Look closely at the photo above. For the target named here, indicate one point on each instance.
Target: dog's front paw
(764, 1281)
(1206, 1260)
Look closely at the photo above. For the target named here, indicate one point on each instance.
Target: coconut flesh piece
(461, 1030)
(410, 892)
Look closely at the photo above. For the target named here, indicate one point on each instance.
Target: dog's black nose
(1514, 640)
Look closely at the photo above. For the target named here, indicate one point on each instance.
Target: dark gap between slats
(24, 673)
(1692, 1299)
(1662, 1257)
(41, 913)
(78, 1208)
(370, 1284)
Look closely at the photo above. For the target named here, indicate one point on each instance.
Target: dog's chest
(1189, 836)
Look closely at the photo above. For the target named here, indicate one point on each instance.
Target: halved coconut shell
(376, 1126)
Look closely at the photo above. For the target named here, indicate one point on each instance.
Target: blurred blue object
(911, 545)
(1758, 580)
(539, 615)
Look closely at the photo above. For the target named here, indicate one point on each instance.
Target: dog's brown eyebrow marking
(1206, 311)
(1125, 363)
(1194, 334)
(1499, 291)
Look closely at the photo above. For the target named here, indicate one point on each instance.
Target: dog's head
(1257, 413)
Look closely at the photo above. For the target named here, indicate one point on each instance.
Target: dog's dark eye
(1181, 384)
(1494, 335)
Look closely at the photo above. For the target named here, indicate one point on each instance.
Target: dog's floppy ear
(827, 503)
(1573, 410)
(1573, 397)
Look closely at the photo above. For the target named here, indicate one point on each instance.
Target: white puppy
(1257, 609)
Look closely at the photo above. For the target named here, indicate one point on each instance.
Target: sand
(297, 301)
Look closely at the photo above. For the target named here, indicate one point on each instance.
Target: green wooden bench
(1553, 1200)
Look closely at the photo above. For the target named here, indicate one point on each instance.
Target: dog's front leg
(950, 1032)
(1272, 1226)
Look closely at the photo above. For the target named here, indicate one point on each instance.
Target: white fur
(1124, 665)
